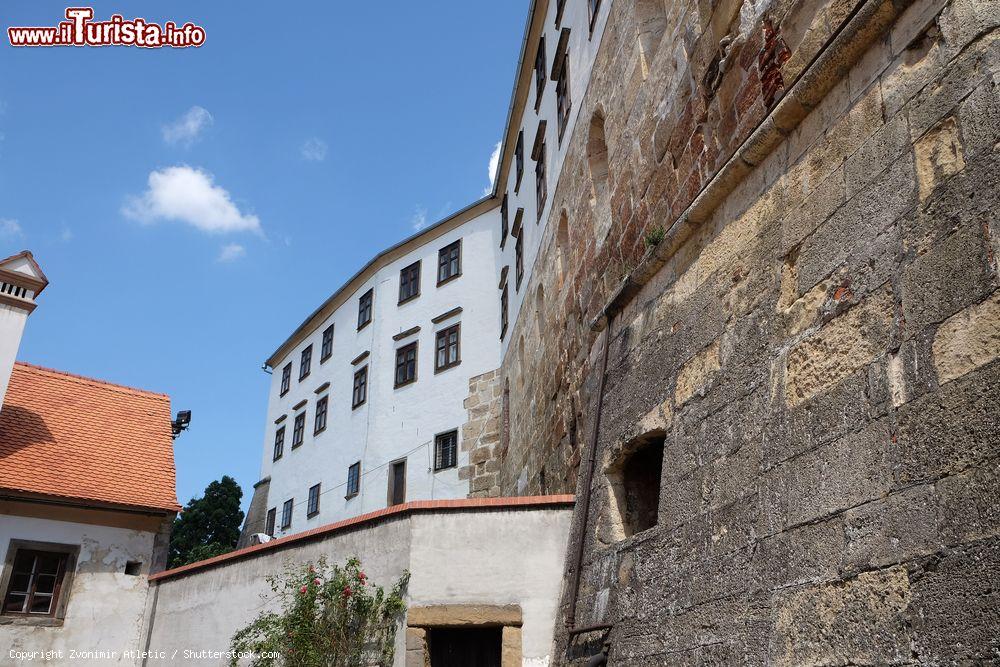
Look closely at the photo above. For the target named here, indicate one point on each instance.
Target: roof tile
(75, 437)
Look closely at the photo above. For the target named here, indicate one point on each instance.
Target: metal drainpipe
(571, 615)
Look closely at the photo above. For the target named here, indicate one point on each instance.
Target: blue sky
(191, 207)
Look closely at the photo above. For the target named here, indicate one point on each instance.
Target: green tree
(209, 525)
(330, 616)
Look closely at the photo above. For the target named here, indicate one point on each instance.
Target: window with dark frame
(518, 161)
(326, 349)
(406, 364)
(279, 443)
(354, 479)
(365, 308)
(540, 72)
(312, 509)
(36, 582)
(541, 191)
(360, 393)
(560, 6)
(503, 311)
(503, 221)
(519, 261)
(563, 101)
(409, 282)
(594, 6)
(286, 513)
(447, 348)
(286, 378)
(269, 524)
(397, 483)
(446, 450)
(305, 363)
(298, 429)
(319, 421)
(450, 262)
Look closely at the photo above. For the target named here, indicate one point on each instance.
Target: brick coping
(414, 507)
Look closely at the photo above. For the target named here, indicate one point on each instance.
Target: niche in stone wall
(650, 24)
(597, 158)
(634, 482)
(562, 248)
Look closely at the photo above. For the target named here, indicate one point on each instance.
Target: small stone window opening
(635, 484)
(650, 24)
(133, 567)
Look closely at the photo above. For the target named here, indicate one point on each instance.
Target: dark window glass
(503, 312)
(327, 348)
(269, 525)
(406, 364)
(298, 429)
(286, 513)
(504, 226)
(447, 352)
(35, 582)
(560, 6)
(397, 483)
(360, 394)
(519, 260)
(320, 419)
(286, 378)
(518, 160)
(313, 507)
(279, 443)
(563, 101)
(354, 479)
(540, 185)
(446, 450)
(540, 71)
(365, 308)
(409, 282)
(450, 262)
(306, 363)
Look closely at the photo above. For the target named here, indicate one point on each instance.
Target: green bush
(330, 616)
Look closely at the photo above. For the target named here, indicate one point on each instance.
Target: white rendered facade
(393, 424)
(400, 424)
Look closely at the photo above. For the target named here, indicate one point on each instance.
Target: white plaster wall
(582, 49)
(488, 557)
(105, 607)
(513, 557)
(394, 423)
(12, 322)
(202, 611)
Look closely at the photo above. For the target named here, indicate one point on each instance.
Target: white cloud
(10, 229)
(419, 219)
(314, 149)
(186, 129)
(231, 252)
(66, 235)
(188, 195)
(494, 164)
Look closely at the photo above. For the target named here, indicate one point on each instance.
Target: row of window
(445, 456)
(560, 73)
(449, 268)
(447, 355)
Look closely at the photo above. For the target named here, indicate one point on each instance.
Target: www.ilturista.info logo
(81, 30)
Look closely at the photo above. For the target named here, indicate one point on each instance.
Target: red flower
(347, 591)
(362, 577)
(316, 581)
(302, 590)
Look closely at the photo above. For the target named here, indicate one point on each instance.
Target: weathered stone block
(967, 340)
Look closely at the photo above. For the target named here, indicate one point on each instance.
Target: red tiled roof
(77, 438)
(364, 520)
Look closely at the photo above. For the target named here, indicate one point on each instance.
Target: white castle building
(368, 395)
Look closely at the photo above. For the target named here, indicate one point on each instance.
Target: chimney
(21, 281)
